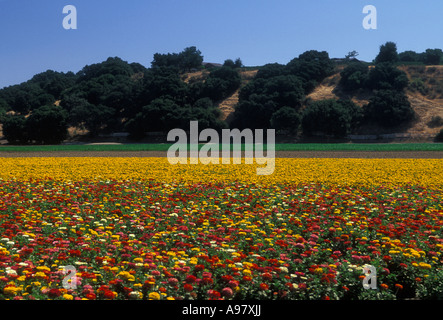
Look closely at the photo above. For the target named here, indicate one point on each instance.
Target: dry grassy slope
(226, 106)
(426, 106)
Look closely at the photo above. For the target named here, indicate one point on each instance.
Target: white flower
(10, 271)
(284, 269)
(135, 295)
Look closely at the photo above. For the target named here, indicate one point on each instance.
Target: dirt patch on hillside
(279, 154)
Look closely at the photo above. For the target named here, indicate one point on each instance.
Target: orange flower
(264, 286)
(398, 286)
(384, 286)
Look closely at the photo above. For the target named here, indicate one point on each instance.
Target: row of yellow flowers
(425, 172)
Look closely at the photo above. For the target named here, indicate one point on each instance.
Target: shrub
(439, 136)
(14, 129)
(389, 108)
(221, 83)
(286, 118)
(47, 125)
(386, 76)
(418, 85)
(330, 117)
(436, 121)
(354, 76)
(388, 53)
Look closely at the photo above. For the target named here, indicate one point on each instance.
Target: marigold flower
(154, 296)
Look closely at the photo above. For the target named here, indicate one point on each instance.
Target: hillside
(116, 98)
(226, 106)
(427, 101)
(427, 104)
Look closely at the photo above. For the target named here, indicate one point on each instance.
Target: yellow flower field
(141, 228)
(425, 172)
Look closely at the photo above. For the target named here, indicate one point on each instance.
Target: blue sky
(33, 40)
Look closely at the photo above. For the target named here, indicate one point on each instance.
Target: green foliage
(254, 113)
(186, 60)
(354, 76)
(54, 83)
(388, 53)
(283, 90)
(14, 129)
(418, 85)
(409, 56)
(260, 98)
(233, 64)
(436, 121)
(112, 66)
(439, 136)
(221, 83)
(389, 108)
(271, 70)
(163, 114)
(386, 76)
(47, 125)
(91, 117)
(433, 56)
(287, 119)
(330, 117)
(312, 67)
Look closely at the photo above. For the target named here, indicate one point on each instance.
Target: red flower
(213, 294)
(227, 292)
(207, 280)
(91, 296)
(190, 278)
(264, 286)
(267, 276)
(199, 267)
(108, 294)
(54, 293)
(187, 287)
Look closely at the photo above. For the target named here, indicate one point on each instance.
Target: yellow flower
(154, 296)
(40, 275)
(68, 297)
(318, 270)
(11, 290)
(424, 265)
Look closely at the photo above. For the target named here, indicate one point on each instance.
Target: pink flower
(300, 245)
(227, 292)
(314, 237)
(233, 284)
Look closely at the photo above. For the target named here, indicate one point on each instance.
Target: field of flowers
(140, 228)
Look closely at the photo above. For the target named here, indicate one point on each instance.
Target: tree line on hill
(115, 96)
